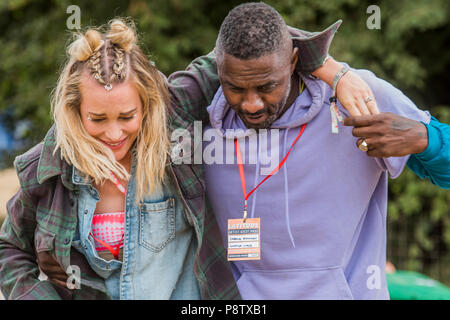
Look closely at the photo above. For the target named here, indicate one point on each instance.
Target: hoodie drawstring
(256, 180)
(242, 173)
(286, 193)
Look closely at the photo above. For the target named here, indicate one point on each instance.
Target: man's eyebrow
(267, 84)
(121, 114)
(228, 83)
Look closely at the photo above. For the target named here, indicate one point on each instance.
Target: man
(322, 214)
(390, 135)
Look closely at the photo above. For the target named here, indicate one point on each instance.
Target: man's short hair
(252, 30)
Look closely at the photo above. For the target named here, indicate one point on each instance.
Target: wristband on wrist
(338, 77)
(335, 114)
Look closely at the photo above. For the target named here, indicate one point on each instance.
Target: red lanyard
(114, 250)
(241, 168)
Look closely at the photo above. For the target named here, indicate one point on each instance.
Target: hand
(351, 90)
(389, 135)
(51, 268)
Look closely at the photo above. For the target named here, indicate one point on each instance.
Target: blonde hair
(112, 56)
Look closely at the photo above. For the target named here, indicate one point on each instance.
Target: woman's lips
(114, 145)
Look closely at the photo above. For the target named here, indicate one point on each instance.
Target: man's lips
(254, 119)
(114, 145)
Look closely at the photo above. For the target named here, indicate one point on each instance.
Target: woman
(99, 208)
(99, 176)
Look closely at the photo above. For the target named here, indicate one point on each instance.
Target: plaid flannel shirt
(42, 216)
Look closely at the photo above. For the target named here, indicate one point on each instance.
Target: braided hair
(111, 55)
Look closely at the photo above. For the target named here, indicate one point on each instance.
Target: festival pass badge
(244, 241)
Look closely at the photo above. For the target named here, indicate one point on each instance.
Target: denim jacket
(159, 244)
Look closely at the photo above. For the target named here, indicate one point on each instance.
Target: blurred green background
(411, 50)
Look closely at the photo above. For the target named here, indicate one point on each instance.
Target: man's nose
(252, 103)
(114, 133)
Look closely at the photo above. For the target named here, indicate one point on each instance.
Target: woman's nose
(114, 133)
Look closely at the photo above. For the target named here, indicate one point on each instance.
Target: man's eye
(236, 89)
(267, 88)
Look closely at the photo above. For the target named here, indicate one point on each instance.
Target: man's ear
(294, 59)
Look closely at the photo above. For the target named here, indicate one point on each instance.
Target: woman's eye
(121, 118)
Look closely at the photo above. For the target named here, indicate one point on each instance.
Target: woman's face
(112, 117)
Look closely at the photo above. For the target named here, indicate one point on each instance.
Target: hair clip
(108, 86)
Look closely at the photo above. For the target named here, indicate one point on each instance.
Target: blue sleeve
(434, 162)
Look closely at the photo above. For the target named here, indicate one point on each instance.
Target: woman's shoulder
(26, 166)
(29, 159)
(40, 162)
(35, 172)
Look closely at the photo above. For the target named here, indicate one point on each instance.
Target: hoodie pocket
(294, 284)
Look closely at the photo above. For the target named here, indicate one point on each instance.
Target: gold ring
(363, 146)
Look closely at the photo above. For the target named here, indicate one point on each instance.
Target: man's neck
(293, 94)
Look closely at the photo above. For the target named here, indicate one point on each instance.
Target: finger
(362, 107)
(59, 282)
(361, 121)
(373, 108)
(352, 109)
(372, 105)
(59, 278)
(375, 153)
(367, 148)
(372, 153)
(365, 132)
(371, 147)
(358, 142)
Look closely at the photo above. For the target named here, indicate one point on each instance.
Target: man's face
(257, 89)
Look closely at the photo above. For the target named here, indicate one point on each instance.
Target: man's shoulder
(378, 85)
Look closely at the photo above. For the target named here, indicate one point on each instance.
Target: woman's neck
(126, 161)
